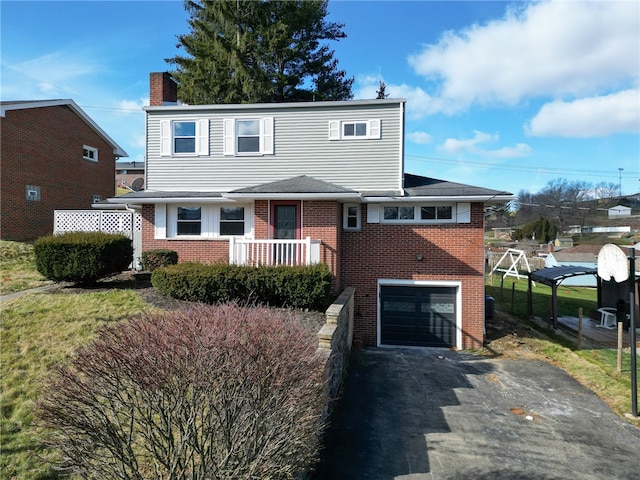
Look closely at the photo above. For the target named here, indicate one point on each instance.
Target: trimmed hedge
(282, 286)
(82, 257)
(160, 257)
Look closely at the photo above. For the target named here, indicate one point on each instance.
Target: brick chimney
(163, 89)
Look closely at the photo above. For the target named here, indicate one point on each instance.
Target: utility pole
(620, 180)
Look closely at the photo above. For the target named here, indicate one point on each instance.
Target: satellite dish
(612, 262)
(136, 185)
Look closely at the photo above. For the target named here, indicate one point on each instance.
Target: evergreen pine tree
(244, 51)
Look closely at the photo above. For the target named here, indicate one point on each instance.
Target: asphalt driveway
(425, 414)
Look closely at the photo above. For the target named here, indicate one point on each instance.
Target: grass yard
(37, 331)
(18, 268)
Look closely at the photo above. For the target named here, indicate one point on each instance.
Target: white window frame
(346, 216)
(337, 128)
(230, 143)
(90, 153)
(166, 221)
(167, 137)
(95, 198)
(460, 213)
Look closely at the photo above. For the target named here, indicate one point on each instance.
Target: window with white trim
(439, 212)
(248, 136)
(351, 215)
(90, 153)
(231, 221)
(184, 137)
(189, 221)
(32, 193)
(200, 222)
(188, 137)
(96, 198)
(420, 213)
(354, 129)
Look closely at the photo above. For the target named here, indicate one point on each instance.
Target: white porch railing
(244, 251)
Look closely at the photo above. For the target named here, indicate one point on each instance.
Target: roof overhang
(441, 198)
(117, 149)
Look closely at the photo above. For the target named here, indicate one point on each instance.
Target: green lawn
(18, 268)
(36, 331)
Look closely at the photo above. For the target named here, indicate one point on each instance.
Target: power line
(523, 168)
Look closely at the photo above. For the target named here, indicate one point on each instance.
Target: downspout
(402, 115)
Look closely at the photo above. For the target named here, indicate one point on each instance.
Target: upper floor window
(348, 129)
(89, 153)
(248, 136)
(184, 137)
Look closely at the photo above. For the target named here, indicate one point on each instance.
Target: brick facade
(451, 252)
(43, 147)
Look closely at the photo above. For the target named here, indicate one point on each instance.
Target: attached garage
(419, 313)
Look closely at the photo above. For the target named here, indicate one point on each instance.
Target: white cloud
(588, 117)
(551, 48)
(419, 137)
(475, 146)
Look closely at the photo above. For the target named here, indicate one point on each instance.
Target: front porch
(245, 251)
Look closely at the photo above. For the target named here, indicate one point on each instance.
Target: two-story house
(320, 182)
(54, 157)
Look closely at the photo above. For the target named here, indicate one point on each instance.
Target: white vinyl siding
(297, 144)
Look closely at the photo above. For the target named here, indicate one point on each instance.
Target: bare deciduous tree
(212, 392)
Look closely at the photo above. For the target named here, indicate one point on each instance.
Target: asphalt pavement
(413, 414)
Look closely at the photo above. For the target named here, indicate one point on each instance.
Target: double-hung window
(189, 221)
(188, 137)
(248, 136)
(184, 137)
(351, 216)
(231, 220)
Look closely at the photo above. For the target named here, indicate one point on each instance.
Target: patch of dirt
(509, 338)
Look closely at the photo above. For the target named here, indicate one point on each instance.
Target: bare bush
(211, 392)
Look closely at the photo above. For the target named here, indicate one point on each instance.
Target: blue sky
(504, 95)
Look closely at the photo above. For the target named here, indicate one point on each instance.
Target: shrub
(295, 287)
(211, 392)
(82, 257)
(161, 257)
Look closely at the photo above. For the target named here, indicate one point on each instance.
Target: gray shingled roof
(301, 184)
(418, 186)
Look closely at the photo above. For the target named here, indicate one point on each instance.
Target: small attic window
(90, 153)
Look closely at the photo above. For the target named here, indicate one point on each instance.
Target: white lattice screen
(127, 223)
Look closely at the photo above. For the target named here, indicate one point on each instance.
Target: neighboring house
(579, 256)
(619, 211)
(320, 182)
(54, 156)
(563, 242)
(130, 175)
